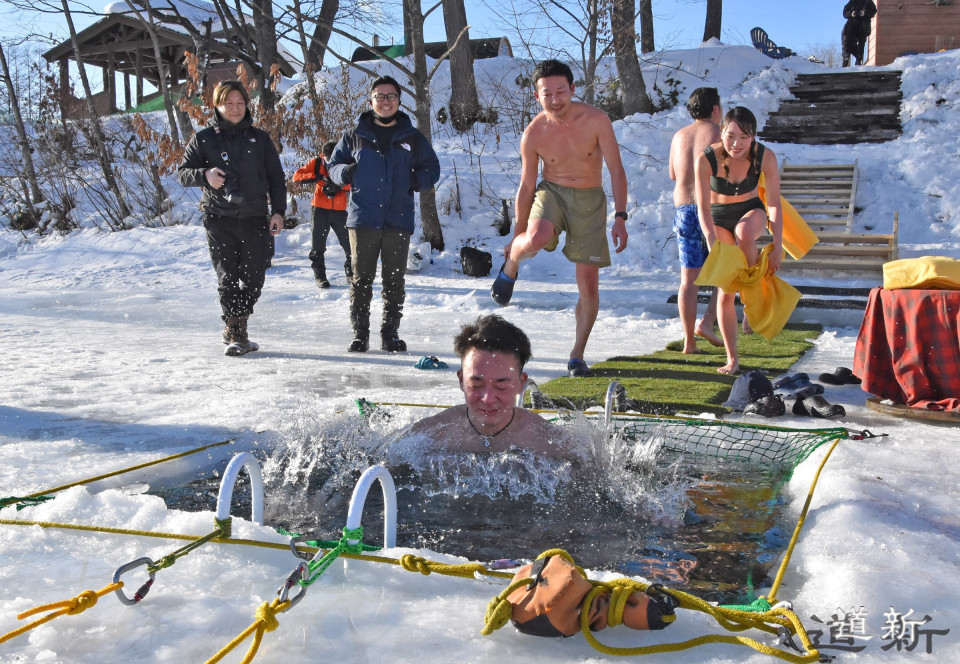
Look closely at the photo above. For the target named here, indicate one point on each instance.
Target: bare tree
(646, 26)
(464, 104)
(33, 194)
(414, 17)
(266, 47)
(99, 140)
(148, 22)
(633, 91)
(711, 27)
(321, 33)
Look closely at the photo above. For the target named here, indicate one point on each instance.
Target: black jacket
(858, 27)
(251, 156)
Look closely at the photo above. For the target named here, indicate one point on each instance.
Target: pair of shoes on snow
(768, 406)
(577, 368)
(502, 289)
(817, 406)
(840, 376)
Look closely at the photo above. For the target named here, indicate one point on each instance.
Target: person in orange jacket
(329, 211)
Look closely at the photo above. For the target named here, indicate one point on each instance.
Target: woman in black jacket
(239, 169)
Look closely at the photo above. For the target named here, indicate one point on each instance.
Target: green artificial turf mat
(668, 381)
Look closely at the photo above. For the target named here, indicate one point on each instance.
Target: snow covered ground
(113, 358)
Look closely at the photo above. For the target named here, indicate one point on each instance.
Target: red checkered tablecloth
(908, 350)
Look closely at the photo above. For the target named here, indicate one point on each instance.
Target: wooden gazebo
(120, 43)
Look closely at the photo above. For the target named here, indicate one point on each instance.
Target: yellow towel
(923, 272)
(767, 300)
(798, 238)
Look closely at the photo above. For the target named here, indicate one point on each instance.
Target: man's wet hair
(327, 149)
(552, 68)
(496, 335)
(386, 80)
(701, 103)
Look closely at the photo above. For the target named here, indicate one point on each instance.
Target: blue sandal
(502, 289)
(577, 368)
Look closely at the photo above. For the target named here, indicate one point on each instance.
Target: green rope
(24, 501)
(223, 530)
(323, 544)
(318, 567)
(759, 605)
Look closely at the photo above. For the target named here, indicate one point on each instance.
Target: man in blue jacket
(384, 159)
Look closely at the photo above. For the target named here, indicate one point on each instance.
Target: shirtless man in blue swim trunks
(688, 143)
(571, 140)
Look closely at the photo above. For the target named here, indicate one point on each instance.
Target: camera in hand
(232, 191)
(331, 189)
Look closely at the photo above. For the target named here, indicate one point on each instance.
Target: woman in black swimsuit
(730, 210)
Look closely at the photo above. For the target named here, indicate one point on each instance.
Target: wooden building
(904, 27)
(120, 45)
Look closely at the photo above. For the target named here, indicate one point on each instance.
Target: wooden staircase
(838, 108)
(825, 196)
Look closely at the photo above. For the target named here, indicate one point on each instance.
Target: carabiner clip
(300, 573)
(303, 555)
(144, 589)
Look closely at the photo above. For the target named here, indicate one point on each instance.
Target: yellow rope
(70, 607)
(730, 619)
(266, 622)
(127, 470)
(464, 570)
(800, 521)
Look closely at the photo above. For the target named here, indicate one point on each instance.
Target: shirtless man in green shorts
(572, 140)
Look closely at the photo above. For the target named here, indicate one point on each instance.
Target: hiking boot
(236, 335)
(322, 283)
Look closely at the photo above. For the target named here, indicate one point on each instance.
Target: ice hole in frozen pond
(645, 503)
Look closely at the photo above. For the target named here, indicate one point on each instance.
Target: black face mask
(385, 120)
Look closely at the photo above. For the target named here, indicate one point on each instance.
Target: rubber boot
(240, 343)
(390, 340)
(361, 332)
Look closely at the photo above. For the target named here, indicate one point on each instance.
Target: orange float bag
(551, 604)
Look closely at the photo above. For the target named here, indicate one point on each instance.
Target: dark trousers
(852, 42)
(390, 246)
(239, 249)
(323, 221)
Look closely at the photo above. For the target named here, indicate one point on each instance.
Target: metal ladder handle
(531, 385)
(229, 480)
(359, 497)
(613, 390)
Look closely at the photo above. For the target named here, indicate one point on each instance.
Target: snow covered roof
(196, 11)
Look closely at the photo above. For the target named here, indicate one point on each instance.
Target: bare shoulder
(433, 423)
(594, 116)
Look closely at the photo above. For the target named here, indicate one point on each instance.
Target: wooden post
(64, 88)
(138, 66)
(126, 92)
